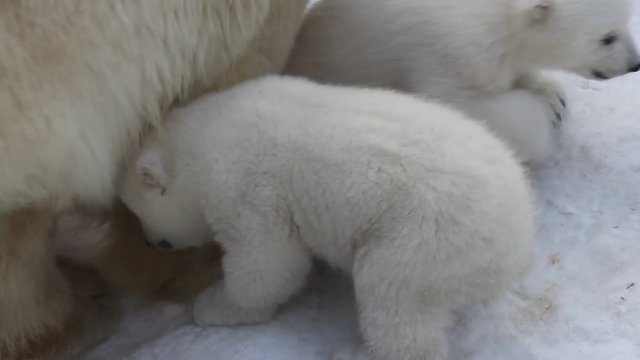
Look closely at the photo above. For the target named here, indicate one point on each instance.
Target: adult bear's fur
(80, 82)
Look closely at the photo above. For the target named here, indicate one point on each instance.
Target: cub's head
(588, 37)
(167, 207)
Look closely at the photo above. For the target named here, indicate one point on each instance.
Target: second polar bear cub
(482, 56)
(425, 209)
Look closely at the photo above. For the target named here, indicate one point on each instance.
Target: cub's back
(286, 117)
(285, 124)
(389, 43)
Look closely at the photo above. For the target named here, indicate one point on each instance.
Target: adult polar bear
(81, 81)
(479, 55)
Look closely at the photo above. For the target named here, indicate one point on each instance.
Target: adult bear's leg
(42, 313)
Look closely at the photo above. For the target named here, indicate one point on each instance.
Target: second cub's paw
(550, 91)
(213, 307)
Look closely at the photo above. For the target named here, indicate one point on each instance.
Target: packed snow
(580, 300)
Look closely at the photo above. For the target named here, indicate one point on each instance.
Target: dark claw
(564, 103)
(164, 245)
(558, 119)
(599, 75)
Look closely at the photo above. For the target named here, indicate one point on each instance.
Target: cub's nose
(164, 245)
(635, 68)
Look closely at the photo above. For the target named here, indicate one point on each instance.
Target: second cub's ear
(539, 10)
(150, 167)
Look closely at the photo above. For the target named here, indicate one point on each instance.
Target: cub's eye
(609, 39)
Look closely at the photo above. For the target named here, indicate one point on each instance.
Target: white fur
(82, 79)
(426, 209)
(470, 53)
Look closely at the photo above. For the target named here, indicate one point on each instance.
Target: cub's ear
(539, 10)
(150, 167)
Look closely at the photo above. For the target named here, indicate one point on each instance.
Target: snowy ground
(581, 299)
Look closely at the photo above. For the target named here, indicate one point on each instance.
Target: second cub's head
(591, 38)
(163, 200)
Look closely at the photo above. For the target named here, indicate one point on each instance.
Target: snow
(581, 299)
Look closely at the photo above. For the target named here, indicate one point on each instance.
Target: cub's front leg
(547, 89)
(264, 264)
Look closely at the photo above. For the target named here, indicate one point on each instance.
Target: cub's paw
(213, 307)
(550, 91)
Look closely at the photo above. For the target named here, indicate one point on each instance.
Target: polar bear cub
(423, 207)
(482, 56)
